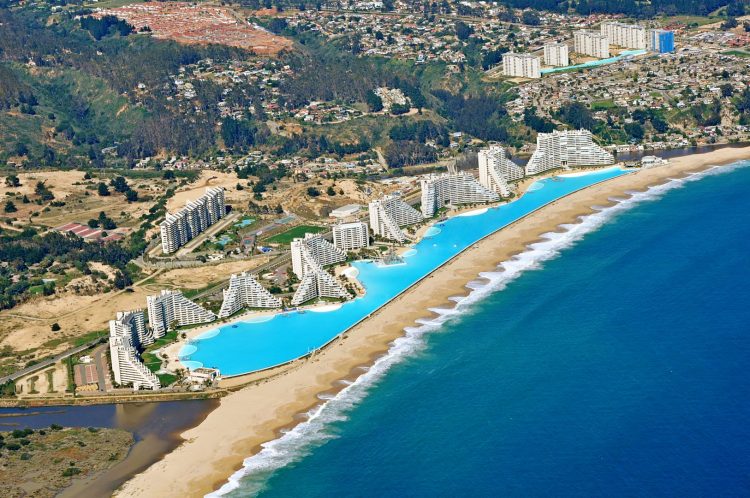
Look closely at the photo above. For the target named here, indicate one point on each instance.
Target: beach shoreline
(257, 413)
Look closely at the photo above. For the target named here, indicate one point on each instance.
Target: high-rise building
(318, 283)
(591, 43)
(453, 189)
(314, 250)
(389, 214)
(496, 170)
(556, 54)
(170, 308)
(624, 35)
(350, 236)
(521, 65)
(660, 40)
(180, 227)
(563, 149)
(245, 292)
(127, 336)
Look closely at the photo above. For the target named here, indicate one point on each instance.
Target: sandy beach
(277, 399)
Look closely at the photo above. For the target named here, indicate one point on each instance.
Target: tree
(727, 90)
(730, 23)
(55, 327)
(10, 207)
(660, 125)
(168, 175)
(577, 115)
(374, 102)
(313, 192)
(120, 184)
(330, 191)
(12, 181)
(44, 193)
(87, 176)
(102, 189)
(635, 130)
(530, 17)
(131, 195)
(463, 30)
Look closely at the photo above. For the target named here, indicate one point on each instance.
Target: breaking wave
(294, 444)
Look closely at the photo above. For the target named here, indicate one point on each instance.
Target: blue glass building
(661, 41)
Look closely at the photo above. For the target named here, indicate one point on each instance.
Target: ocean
(609, 360)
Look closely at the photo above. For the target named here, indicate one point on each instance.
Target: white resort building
(318, 283)
(521, 65)
(453, 189)
(128, 335)
(624, 35)
(350, 236)
(389, 214)
(556, 54)
(591, 43)
(180, 227)
(496, 170)
(314, 251)
(170, 308)
(563, 149)
(245, 292)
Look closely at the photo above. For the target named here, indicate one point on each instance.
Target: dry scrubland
(27, 328)
(43, 463)
(70, 187)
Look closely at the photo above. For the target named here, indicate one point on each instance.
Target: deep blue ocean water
(617, 368)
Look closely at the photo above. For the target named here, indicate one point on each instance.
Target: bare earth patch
(199, 24)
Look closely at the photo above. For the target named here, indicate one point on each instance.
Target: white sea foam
(296, 443)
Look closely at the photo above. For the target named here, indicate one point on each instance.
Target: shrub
(55, 327)
(13, 446)
(25, 456)
(55, 427)
(71, 471)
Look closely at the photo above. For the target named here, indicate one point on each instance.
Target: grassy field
(293, 233)
(737, 53)
(601, 105)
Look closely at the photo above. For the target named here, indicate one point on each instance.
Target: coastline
(255, 414)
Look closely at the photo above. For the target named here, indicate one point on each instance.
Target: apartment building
(184, 225)
(350, 236)
(127, 336)
(556, 54)
(624, 35)
(389, 214)
(660, 40)
(591, 43)
(318, 283)
(564, 149)
(170, 308)
(313, 250)
(453, 189)
(245, 292)
(496, 171)
(521, 65)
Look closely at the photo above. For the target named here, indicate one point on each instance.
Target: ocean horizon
(606, 360)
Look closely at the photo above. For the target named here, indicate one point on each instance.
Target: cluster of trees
(420, 131)
(536, 122)
(29, 248)
(482, 115)
(404, 153)
(238, 134)
(105, 26)
(577, 115)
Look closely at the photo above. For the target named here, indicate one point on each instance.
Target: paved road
(49, 362)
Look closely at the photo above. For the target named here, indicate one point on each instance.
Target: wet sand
(255, 414)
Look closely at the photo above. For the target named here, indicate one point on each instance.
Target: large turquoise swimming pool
(271, 340)
(600, 62)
